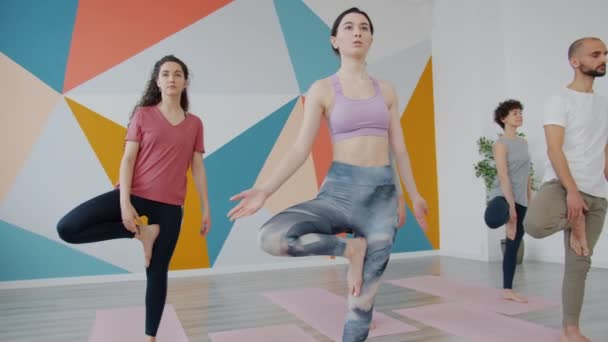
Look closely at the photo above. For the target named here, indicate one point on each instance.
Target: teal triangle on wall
(37, 35)
(25, 256)
(410, 237)
(234, 168)
(307, 39)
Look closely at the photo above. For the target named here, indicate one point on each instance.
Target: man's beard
(593, 72)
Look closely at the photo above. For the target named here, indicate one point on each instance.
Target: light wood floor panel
(223, 302)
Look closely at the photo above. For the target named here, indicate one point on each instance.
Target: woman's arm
(500, 158)
(199, 176)
(127, 163)
(399, 149)
(253, 199)
(295, 157)
(397, 143)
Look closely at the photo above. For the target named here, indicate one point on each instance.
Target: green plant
(486, 167)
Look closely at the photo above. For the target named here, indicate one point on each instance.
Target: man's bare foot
(572, 333)
(578, 237)
(147, 235)
(508, 294)
(511, 229)
(355, 253)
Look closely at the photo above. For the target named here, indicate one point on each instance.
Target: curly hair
(503, 109)
(152, 96)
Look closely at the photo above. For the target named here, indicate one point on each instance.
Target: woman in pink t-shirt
(163, 140)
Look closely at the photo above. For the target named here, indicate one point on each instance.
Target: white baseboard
(47, 282)
(461, 255)
(559, 259)
(409, 255)
(317, 262)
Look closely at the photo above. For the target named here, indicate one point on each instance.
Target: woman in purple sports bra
(359, 192)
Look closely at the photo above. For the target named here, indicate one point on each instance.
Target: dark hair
(152, 96)
(334, 28)
(503, 109)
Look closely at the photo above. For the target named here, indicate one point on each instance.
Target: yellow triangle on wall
(105, 136)
(418, 124)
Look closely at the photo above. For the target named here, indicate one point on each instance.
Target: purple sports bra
(356, 117)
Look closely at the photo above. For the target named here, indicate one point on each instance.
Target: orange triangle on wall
(107, 32)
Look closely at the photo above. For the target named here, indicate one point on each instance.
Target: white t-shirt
(585, 119)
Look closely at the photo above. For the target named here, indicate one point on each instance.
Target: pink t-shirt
(165, 154)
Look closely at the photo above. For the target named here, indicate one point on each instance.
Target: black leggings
(496, 215)
(99, 219)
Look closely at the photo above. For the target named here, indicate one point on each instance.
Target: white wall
(458, 82)
(485, 52)
(537, 66)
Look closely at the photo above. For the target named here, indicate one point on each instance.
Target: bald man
(572, 197)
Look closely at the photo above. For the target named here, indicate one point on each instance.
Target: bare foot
(511, 229)
(355, 253)
(573, 334)
(578, 237)
(147, 235)
(508, 294)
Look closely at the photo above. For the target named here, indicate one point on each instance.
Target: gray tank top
(518, 165)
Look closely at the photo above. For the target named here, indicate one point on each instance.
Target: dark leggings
(496, 215)
(99, 219)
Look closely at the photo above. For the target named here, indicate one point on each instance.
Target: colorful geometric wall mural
(76, 69)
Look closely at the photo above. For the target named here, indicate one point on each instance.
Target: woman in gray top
(511, 192)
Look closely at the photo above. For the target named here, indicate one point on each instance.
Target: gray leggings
(353, 198)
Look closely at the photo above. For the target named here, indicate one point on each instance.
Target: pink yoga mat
(287, 332)
(128, 324)
(486, 298)
(478, 325)
(326, 312)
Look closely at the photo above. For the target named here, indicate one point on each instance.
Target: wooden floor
(224, 302)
